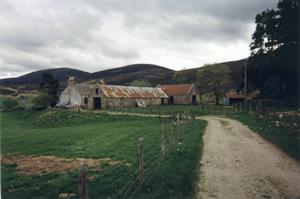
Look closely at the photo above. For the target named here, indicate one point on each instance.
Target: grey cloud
(75, 33)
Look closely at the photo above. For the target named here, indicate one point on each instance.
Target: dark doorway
(171, 99)
(194, 101)
(97, 102)
(162, 101)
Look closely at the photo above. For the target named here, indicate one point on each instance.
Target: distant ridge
(127, 74)
(124, 75)
(60, 74)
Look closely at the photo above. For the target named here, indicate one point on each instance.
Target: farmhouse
(231, 98)
(108, 97)
(101, 96)
(184, 94)
(75, 94)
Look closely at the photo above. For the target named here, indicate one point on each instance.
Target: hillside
(127, 74)
(117, 76)
(60, 74)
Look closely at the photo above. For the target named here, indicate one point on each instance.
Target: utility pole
(245, 84)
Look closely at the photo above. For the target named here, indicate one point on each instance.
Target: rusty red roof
(235, 96)
(132, 92)
(182, 89)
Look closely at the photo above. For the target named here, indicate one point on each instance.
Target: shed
(231, 98)
(110, 96)
(183, 94)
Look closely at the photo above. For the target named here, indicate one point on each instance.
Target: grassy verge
(74, 135)
(286, 138)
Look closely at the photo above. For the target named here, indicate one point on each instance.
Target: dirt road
(238, 163)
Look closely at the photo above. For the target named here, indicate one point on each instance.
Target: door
(97, 103)
(171, 99)
(194, 101)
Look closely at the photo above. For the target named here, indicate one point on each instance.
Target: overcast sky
(94, 35)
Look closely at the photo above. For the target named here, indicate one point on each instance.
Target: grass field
(97, 136)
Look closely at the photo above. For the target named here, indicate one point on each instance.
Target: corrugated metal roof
(235, 96)
(182, 89)
(84, 89)
(132, 92)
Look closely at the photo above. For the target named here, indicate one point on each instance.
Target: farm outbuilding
(184, 94)
(231, 98)
(109, 97)
(75, 94)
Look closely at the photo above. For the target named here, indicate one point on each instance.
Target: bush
(43, 100)
(8, 103)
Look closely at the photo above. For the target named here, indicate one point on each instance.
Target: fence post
(297, 119)
(171, 136)
(159, 117)
(250, 107)
(141, 163)
(240, 107)
(178, 126)
(183, 127)
(163, 141)
(187, 119)
(83, 188)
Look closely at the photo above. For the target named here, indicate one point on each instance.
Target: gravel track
(238, 163)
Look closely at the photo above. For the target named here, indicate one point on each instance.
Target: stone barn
(109, 97)
(184, 94)
(75, 94)
(231, 98)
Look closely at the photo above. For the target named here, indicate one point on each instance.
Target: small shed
(183, 94)
(75, 94)
(110, 96)
(231, 98)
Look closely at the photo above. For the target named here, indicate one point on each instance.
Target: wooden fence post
(178, 127)
(159, 117)
(171, 135)
(187, 119)
(240, 107)
(83, 188)
(183, 128)
(250, 106)
(142, 181)
(297, 119)
(163, 141)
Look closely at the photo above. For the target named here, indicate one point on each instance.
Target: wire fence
(124, 180)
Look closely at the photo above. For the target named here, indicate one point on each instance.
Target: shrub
(8, 103)
(43, 100)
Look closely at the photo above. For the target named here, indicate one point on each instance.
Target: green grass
(71, 134)
(286, 138)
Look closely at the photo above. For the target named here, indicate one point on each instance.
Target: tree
(273, 66)
(215, 78)
(179, 77)
(51, 85)
(143, 83)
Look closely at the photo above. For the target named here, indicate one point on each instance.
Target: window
(85, 100)
(97, 90)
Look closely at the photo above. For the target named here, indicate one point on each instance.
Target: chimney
(71, 81)
(102, 82)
